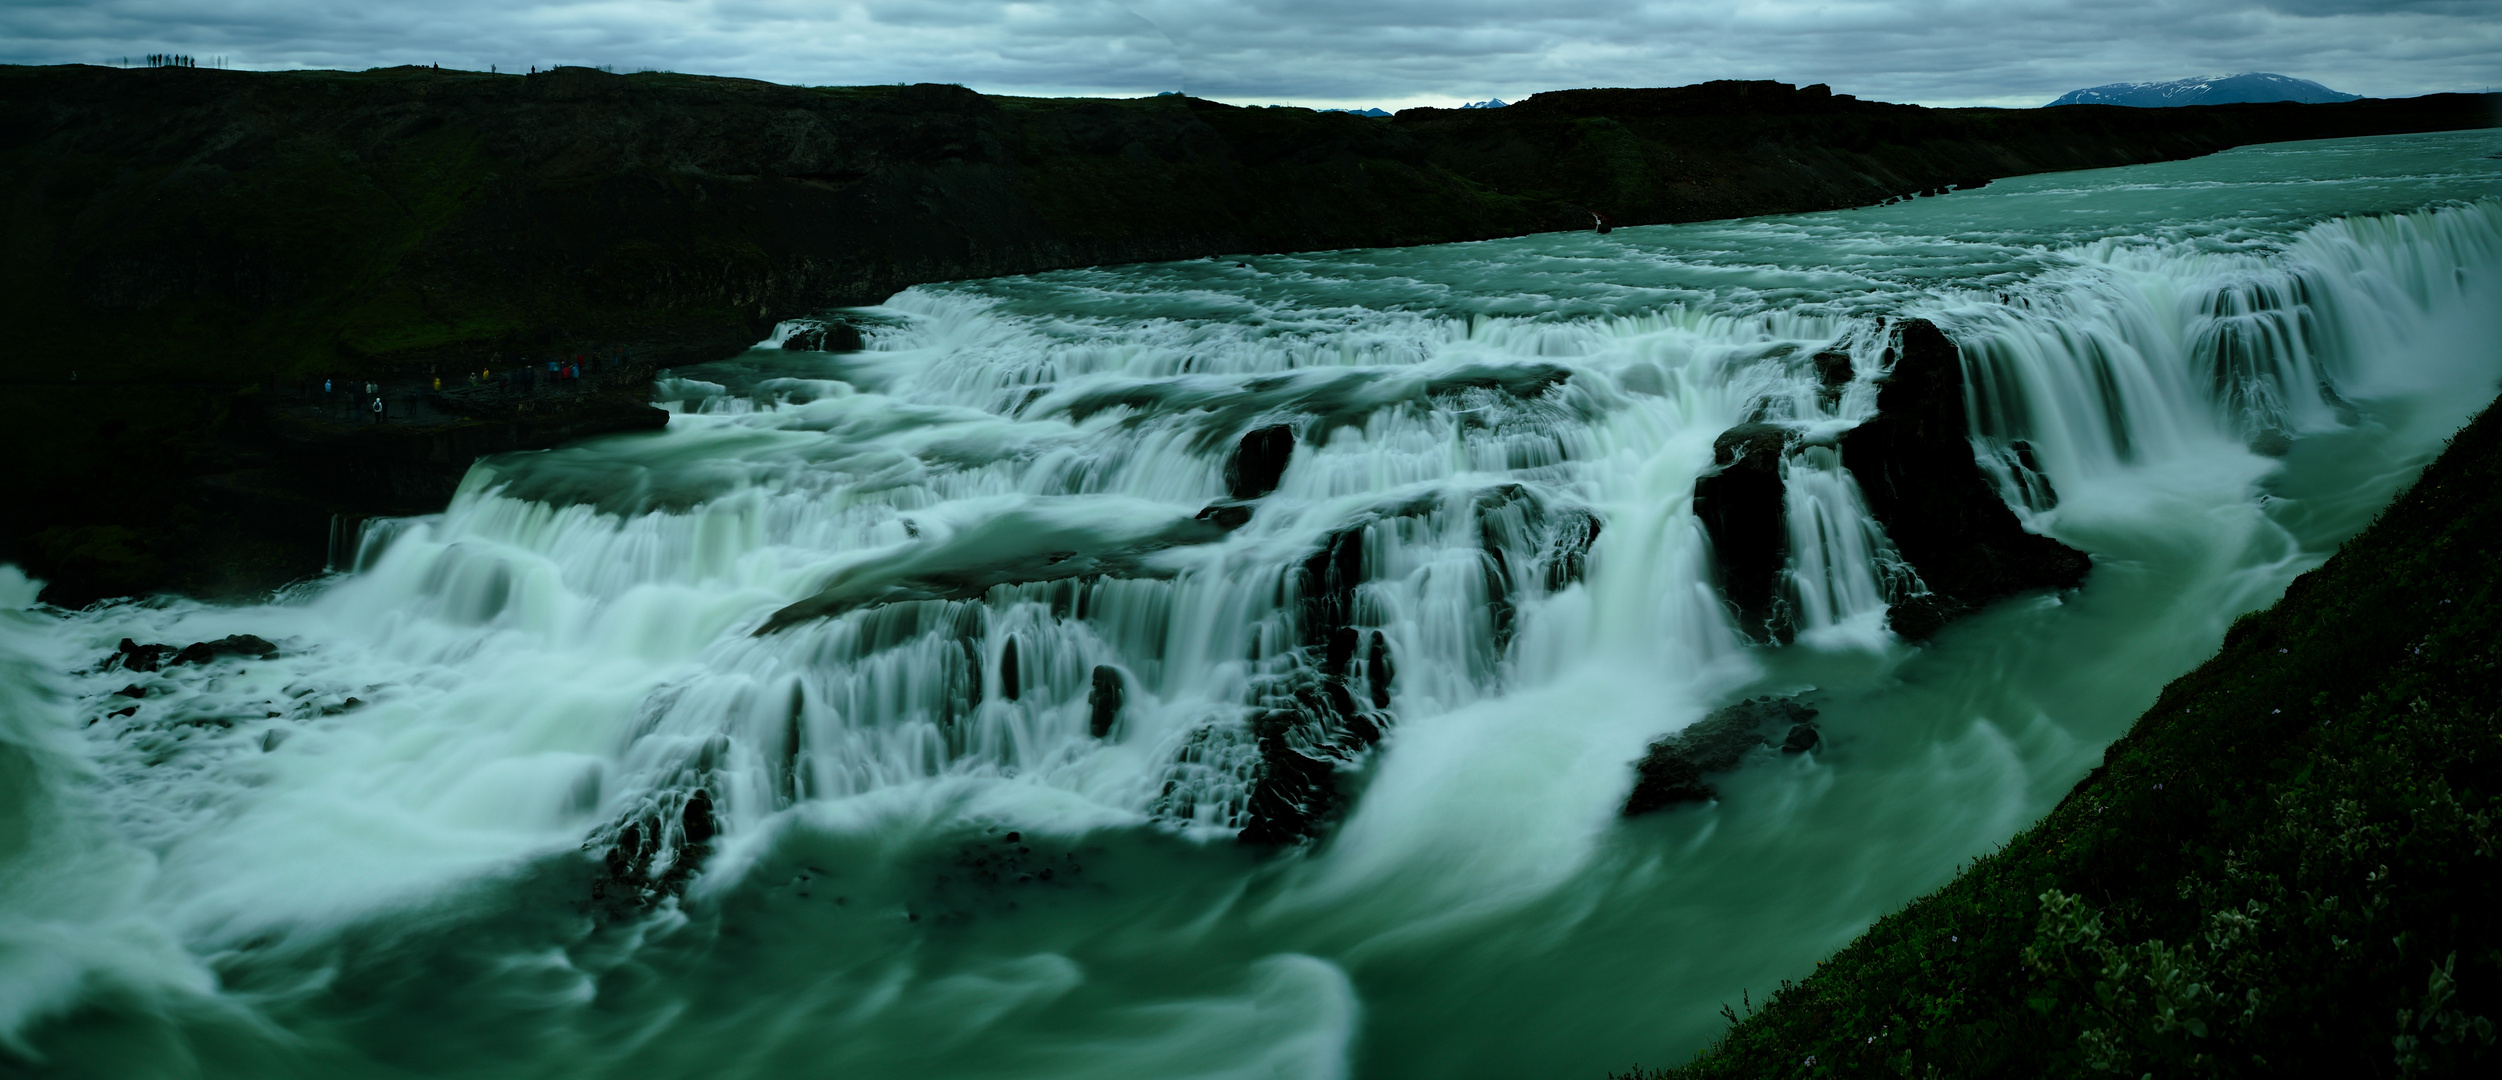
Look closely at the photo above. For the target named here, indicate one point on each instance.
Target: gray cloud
(1391, 52)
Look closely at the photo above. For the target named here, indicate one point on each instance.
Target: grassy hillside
(2288, 866)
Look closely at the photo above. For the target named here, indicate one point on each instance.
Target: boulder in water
(1103, 701)
(645, 858)
(830, 336)
(1226, 516)
(201, 652)
(1915, 467)
(1259, 462)
(698, 820)
(1803, 738)
(133, 656)
(1675, 768)
(1740, 505)
(1297, 788)
(1833, 372)
(1379, 670)
(1568, 552)
(1314, 720)
(1665, 777)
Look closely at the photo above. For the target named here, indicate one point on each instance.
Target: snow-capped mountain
(2209, 90)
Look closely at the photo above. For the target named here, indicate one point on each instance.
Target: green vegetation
(284, 254)
(2288, 866)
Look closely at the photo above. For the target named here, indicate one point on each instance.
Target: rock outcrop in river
(1914, 466)
(1917, 473)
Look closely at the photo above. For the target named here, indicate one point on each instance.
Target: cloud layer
(1329, 52)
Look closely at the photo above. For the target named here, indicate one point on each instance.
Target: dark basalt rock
(1739, 503)
(1833, 372)
(1568, 554)
(1803, 738)
(201, 652)
(1011, 685)
(1673, 771)
(1720, 741)
(1667, 776)
(1324, 710)
(830, 336)
(1103, 702)
(1321, 712)
(1380, 670)
(2030, 476)
(1259, 462)
(1226, 516)
(1916, 471)
(133, 656)
(698, 821)
(1311, 723)
(1833, 369)
(653, 851)
(1501, 613)
(1297, 789)
(1330, 578)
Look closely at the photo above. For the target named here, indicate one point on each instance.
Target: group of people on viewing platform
(363, 400)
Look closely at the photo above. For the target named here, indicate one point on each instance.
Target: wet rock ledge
(1914, 465)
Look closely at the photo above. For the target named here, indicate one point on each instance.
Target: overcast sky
(1391, 53)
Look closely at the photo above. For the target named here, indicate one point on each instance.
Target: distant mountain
(1489, 103)
(2211, 90)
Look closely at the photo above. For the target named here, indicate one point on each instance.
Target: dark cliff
(180, 247)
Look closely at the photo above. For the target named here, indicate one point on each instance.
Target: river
(452, 825)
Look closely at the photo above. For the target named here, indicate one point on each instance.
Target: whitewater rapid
(392, 845)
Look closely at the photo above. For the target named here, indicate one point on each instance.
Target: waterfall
(1010, 566)
(1474, 505)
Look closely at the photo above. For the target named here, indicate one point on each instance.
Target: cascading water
(897, 711)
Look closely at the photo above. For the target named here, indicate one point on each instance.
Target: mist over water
(382, 851)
